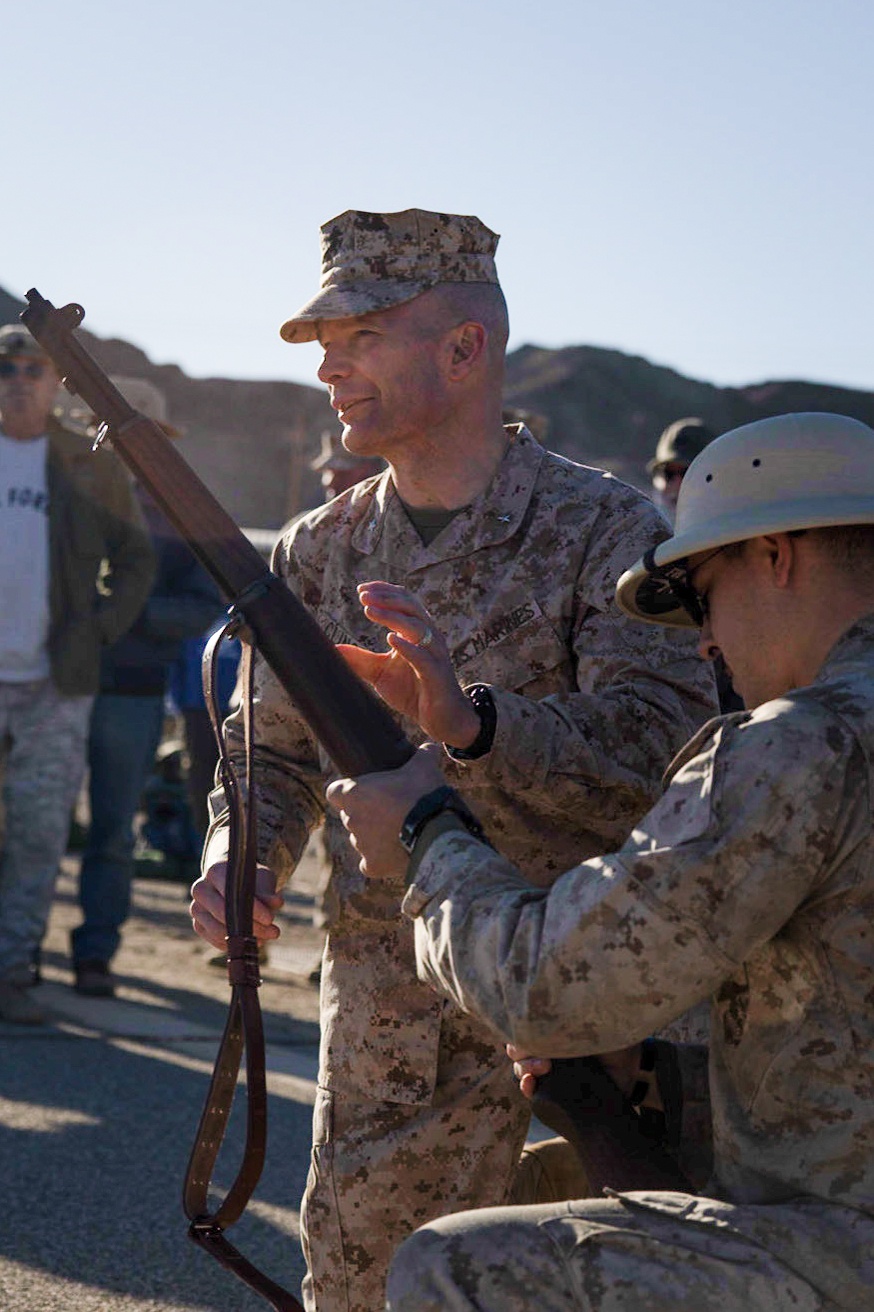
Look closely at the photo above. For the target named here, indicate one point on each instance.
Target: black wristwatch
(483, 703)
(435, 803)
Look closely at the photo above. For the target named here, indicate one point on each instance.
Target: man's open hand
(416, 677)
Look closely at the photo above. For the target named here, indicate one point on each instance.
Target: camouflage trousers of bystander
(43, 736)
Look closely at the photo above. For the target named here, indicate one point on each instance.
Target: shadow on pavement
(94, 1138)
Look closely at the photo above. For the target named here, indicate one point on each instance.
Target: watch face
(407, 835)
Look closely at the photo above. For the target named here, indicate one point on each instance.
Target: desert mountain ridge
(252, 441)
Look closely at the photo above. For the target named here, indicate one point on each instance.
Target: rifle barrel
(356, 729)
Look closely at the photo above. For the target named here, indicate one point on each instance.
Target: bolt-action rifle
(360, 735)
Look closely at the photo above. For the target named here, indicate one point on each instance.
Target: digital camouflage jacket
(751, 881)
(591, 707)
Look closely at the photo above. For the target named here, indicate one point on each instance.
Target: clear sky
(687, 180)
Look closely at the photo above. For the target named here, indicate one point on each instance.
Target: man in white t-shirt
(67, 520)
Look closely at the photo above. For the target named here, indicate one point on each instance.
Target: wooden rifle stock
(579, 1100)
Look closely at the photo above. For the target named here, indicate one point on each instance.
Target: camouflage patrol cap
(333, 455)
(680, 443)
(374, 261)
(16, 340)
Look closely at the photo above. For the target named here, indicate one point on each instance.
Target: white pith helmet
(772, 476)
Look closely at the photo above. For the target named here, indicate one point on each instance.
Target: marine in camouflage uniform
(417, 1113)
(751, 881)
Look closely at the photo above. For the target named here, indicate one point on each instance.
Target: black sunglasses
(33, 369)
(669, 584)
(674, 583)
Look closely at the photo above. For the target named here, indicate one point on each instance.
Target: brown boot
(93, 979)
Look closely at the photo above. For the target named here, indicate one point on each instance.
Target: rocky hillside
(251, 442)
(606, 408)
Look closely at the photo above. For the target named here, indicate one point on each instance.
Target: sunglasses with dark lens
(695, 606)
(33, 369)
(675, 581)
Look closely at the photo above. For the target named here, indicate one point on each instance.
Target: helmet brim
(644, 594)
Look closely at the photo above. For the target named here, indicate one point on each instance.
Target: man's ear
(781, 552)
(467, 344)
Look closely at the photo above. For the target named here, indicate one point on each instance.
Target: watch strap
(432, 804)
(480, 696)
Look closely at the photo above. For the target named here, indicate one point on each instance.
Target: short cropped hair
(482, 302)
(850, 548)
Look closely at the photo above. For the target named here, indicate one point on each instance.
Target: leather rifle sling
(244, 1028)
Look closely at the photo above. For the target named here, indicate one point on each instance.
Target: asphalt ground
(99, 1107)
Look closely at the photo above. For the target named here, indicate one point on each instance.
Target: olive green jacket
(101, 559)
